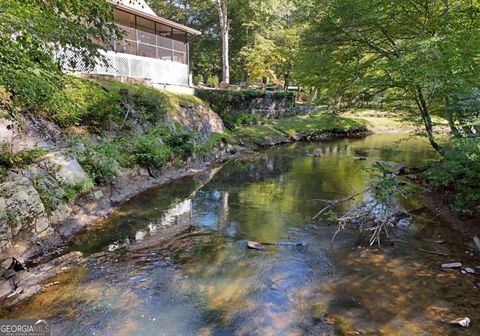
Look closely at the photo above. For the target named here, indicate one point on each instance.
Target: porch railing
(120, 64)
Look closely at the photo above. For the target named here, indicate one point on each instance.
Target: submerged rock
(452, 265)
(463, 322)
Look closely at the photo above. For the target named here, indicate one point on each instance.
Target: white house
(154, 49)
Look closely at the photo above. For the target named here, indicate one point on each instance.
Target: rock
(65, 171)
(24, 206)
(476, 241)
(98, 194)
(452, 265)
(5, 288)
(469, 270)
(463, 322)
(199, 119)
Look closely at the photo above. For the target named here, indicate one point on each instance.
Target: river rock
(476, 242)
(463, 322)
(452, 265)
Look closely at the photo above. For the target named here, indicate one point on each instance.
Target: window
(127, 23)
(164, 54)
(146, 31)
(164, 36)
(124, 18)
(146, 50)
(180, 57)
(179, 40)
(126, 47)
(147, 38)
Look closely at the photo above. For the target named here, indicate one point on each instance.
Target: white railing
(155, 70)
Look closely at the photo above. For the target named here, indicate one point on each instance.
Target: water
(206, 282)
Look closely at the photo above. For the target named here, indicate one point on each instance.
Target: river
(204, 281)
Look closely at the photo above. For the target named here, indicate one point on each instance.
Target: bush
(197, 80)
(100, 168)
(84, 102)
(212, 81)
(459, 172)
(233, 120)
(8, 159)
(152, 152)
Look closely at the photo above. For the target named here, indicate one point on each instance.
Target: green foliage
(31, 34)
(224, 102)
(197, 79)
(100, 168)
(241, 119)
(408, 55)
(73, 192)
(161, 145)
(212, 81)
(459, 172)
(83, 103)
(8, 159)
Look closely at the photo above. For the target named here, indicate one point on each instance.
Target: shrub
(197, 80)
(152, 152)
(233, 120)
(459, 171)
(212, 81)
(100, 168)
(84, 102)
(8, 159)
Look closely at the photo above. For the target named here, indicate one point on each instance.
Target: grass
(173, 101)
(384, 121)
(281, 130)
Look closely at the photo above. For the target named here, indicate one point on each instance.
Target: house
(154, 49)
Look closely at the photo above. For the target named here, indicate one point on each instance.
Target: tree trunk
(286, 84)
(450, 118)
(222, 6)
(427, 120)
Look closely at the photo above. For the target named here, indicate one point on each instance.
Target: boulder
(24, 207)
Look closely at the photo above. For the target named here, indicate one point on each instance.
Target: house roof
(143, 10)
(140, 5)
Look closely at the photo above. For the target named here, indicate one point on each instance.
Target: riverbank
(58, 181)
(129, 274)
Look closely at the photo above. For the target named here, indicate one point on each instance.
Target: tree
(31, 34)
(416, 54)
(222, 7)
(274, 27)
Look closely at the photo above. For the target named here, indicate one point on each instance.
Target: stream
(205, 281)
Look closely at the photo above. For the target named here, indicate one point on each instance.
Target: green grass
(281, 130)
(319, 122)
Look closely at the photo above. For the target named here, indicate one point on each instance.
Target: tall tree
(222, 8)
(414, 53)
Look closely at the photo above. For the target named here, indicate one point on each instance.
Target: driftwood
(380, 223)
(261, 246)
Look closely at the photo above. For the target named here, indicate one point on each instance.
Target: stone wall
(265, 104)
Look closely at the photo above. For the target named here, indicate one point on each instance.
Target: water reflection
(206, 282)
